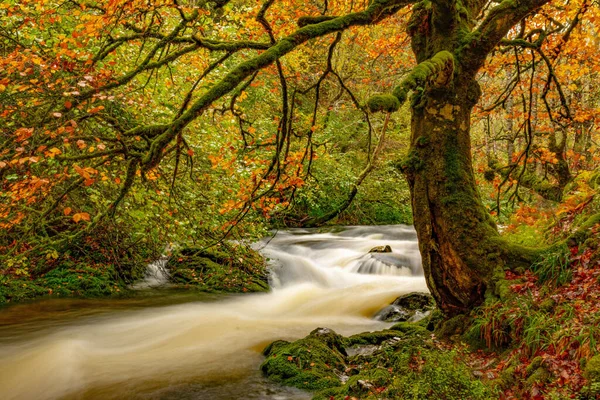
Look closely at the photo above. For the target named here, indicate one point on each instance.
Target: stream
(168, 344)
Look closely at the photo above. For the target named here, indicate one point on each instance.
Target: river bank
(221, 269)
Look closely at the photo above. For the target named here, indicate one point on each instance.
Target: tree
(451, 40)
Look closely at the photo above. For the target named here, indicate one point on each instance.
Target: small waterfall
(156, 275)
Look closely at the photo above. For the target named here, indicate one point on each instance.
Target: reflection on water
(186, 346)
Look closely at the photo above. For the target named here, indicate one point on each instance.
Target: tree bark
(458, 240)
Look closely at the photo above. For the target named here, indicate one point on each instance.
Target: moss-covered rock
(404, 362)
(315, 362)
(534, 365)
(367, 338)
(409, 307)
(222, 269)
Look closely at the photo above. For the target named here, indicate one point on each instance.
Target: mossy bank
(224, 268)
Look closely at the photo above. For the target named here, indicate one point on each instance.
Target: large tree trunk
(459, 243)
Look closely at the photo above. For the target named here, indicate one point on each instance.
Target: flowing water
(163, 344)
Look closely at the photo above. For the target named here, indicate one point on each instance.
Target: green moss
(535, 364)
(540, 376)
(508, 378)
(584, 230)
(310, 363)
(502, 288)
(547, 305)
(453, 326)
(409, 328)
(309, 20)
(367, 338)
(592, 369)
(219, 269)
(437, 71)
(411, 163)
(383, 102)
(412, 367)
(67, 280)
(439, 375)
(435, 318)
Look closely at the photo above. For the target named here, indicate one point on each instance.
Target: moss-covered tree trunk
(457, 238)
(460, 246)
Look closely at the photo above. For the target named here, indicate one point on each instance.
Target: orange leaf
(67, 211)
(81, 217)
(68, 104)
(95, 109)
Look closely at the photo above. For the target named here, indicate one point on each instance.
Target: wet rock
(381, 249)
(367, 350)
(415, 301)
(394, 313)
(410, 307)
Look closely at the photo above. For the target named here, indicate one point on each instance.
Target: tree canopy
(192, 115)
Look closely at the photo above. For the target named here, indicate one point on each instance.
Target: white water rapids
(208, 349)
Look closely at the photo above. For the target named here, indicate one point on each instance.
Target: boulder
(381, 249)
(312, 363)
(409, 307)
